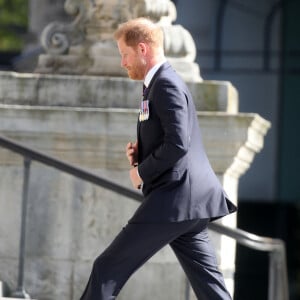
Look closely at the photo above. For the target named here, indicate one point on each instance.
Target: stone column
(232, 142)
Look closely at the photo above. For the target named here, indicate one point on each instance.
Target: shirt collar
(152, 72)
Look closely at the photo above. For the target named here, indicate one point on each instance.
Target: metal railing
(278, 278)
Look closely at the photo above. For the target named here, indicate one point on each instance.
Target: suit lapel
(148, 89)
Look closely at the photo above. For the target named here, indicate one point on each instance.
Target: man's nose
(123, 63)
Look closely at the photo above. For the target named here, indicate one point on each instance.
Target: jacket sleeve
(171, 106)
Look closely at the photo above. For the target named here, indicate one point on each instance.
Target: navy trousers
(137, 242)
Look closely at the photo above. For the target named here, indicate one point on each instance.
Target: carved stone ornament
(86, 46)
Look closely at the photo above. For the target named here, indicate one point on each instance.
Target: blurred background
(255, 45)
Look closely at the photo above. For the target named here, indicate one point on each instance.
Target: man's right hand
(132, 153)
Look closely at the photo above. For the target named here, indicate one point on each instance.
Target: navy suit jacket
(179, 183)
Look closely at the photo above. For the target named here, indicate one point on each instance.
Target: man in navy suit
(168, 162)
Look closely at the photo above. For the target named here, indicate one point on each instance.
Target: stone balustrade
(87, 120)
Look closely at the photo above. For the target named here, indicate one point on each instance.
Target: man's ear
(142, 48)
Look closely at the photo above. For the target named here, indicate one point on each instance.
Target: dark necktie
(144, 90)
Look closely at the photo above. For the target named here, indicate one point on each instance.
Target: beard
(137, 70)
